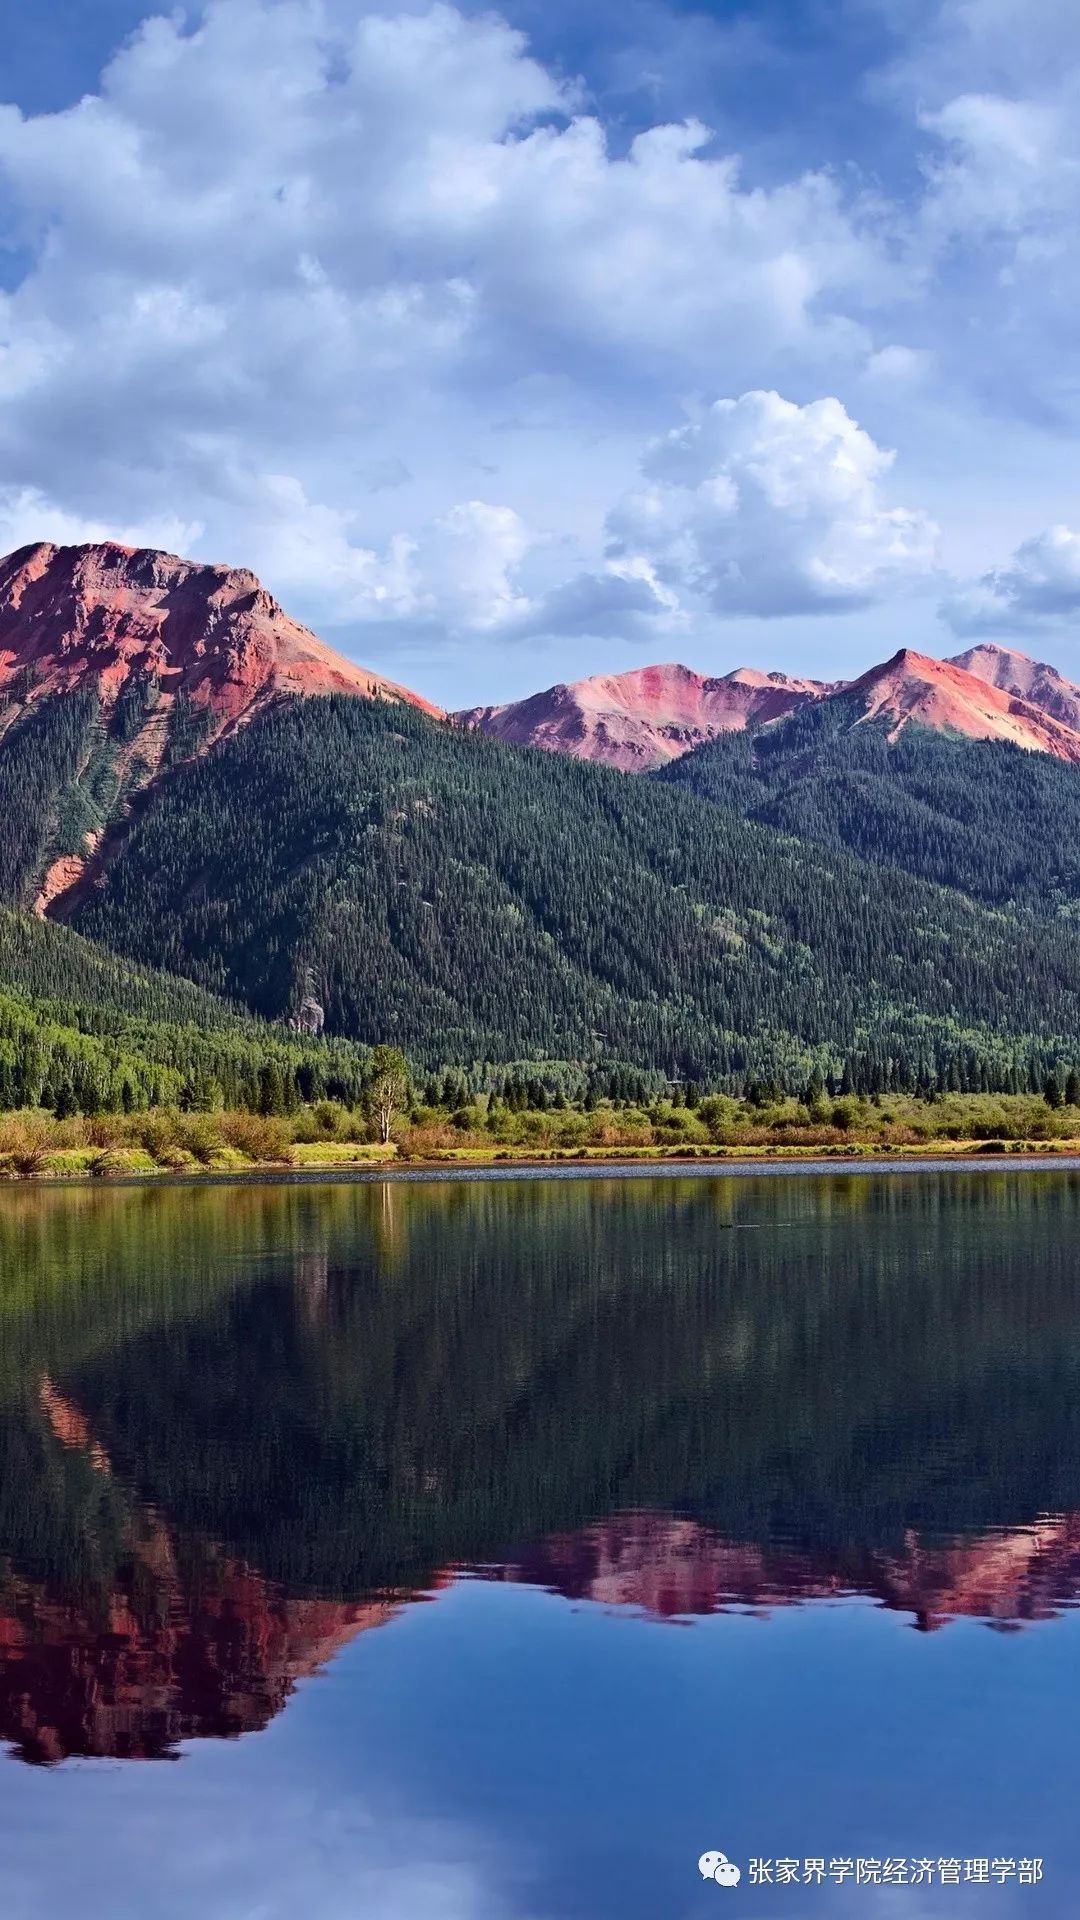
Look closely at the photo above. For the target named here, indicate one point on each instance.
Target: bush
(157, 1132)
(261, 1136)
(25, 1139)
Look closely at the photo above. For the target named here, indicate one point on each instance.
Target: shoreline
(367, 1172)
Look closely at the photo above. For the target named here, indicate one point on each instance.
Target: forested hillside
(116, 662)
(1000, 823)
(467, 901)
(83, 1031)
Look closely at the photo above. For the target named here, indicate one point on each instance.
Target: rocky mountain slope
(640, 720)
(1031, 680)
(944, 696)
(155, 658)
(109, 615)
(643, 720)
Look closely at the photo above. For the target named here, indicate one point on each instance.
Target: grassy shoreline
(329, 1138)
(124, 1166)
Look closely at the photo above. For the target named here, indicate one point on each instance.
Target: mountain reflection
(161, 1663)
(239, 1427)
(671, 1568)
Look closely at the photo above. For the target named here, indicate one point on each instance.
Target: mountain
(117, 662)
(351, 862)
(469, 902)
(1030, 680)
(645, 719)
(640, 720)
(108, 616)
(985, 816)
(943, 696)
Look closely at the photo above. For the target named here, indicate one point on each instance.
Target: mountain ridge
(176, 653)
(1032, 680)
(639, 720)
(642, 720)
(153, 659)
(212, 634)
(415, 882)
(943, 696)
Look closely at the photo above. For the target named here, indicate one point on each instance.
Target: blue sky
(513, 345)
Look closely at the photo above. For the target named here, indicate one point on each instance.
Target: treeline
(465, 900)
(138, 1064)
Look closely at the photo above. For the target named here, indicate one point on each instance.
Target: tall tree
(388, 1088)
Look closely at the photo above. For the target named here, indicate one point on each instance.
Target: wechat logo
(717, 1866)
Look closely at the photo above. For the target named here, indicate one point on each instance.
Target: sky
(512, 344)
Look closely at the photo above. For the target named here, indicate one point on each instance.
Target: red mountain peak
(1031, 680)
(644, 717)
(945, 695)
(101, 614)
(177, 637)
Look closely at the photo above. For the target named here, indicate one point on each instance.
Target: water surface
(494, 1548)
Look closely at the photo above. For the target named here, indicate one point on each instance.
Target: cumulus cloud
(357, 255)
(286, 322)
(455, 572)
(26, 516)
(1039, 586)
(623, 599)
(759, 506)
(459, 574)
(765, 507)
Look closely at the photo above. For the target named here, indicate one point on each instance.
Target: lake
(494, 1549)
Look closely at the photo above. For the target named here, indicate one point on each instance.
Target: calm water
(490, 1550)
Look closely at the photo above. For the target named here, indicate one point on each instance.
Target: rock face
(1031, 680)
(106, 615)
(174, 654)
(947, 697)
(640, 720)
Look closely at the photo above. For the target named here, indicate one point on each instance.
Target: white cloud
(1004, 168)
(26, 516)
(300, 270)
(759, 507)
(765, 507)
(377, 190)
(351, 260)
(993, 89)
(1039, 586)
(623, 599)
(899, 366)
(456, 572)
